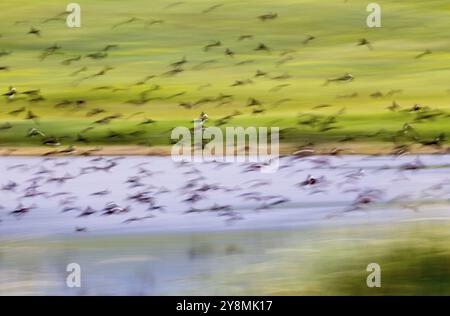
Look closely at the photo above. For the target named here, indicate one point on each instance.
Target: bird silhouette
(211, 45)
(34, 31)
(308, 39)
(345, 78)
(425, 53)
(212, 8)
(11, 93)
(365, 42)
(268, 16)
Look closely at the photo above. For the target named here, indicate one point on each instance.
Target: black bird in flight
(308, 39)
(393, 107)
(50, 51)
(214, 44)
(174, 4)
(59, 17)
(68, 61)
(345, 78)
(153, 22)
(262, 47)
(34, 31)
(179, 63)
(427, 52)
(212, 8)
(268, 16)
(18, 111)
(97, 55)
(245, 37)
(364, 42)
(229, 52)
(131, 20)
(109, 47)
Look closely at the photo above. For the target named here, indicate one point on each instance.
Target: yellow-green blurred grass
(409, 28)
(414, 260)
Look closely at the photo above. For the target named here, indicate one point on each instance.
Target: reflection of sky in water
(150, 265)
(177, 253)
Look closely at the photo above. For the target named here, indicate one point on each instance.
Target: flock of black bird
(140, 190)
(404, 137)
(196, 187)
(194, 190)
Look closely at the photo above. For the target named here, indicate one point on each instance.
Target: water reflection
(414, 257)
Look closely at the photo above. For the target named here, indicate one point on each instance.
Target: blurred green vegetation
(165, 32)
(414, 260)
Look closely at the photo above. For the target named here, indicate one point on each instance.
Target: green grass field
(292, 92)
